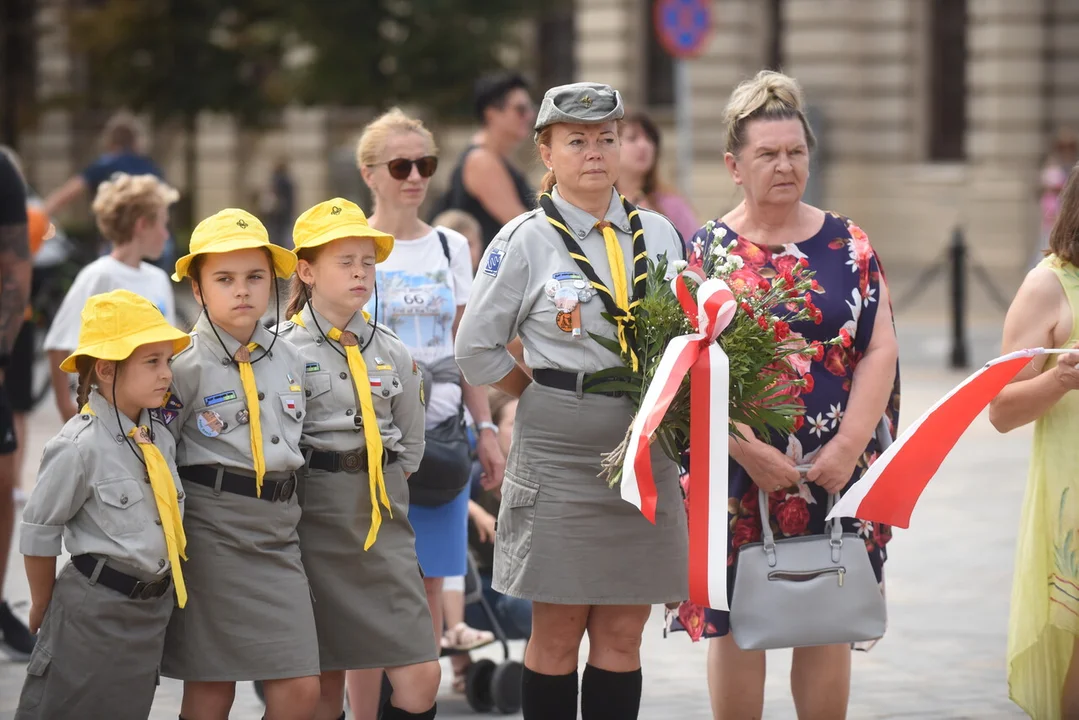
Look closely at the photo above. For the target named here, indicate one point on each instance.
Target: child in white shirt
(132, 212)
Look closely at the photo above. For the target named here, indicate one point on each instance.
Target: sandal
(463, 638)
(460, 681)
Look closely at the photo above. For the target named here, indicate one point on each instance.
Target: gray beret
(582, 103)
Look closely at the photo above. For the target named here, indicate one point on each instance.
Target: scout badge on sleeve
(494, 262)
(170, 408)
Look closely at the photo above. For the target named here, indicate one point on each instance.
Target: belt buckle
(285, 489)
(140, 591)
(351, 461)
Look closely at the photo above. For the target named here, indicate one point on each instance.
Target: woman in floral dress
(846, 387)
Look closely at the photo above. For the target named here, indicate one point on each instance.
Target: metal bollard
(957, 253)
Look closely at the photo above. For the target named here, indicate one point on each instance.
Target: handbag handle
(884, 438)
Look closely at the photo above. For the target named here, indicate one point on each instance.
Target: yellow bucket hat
(233, 229)
(335, 219)
(115, 323)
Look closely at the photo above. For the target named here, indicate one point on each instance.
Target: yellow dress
(1045, 594)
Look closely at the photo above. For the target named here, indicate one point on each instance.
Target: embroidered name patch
(494, 262)
(313, 367)
(219, 398)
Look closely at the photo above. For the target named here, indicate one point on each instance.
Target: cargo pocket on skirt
(516, 517)
(34, 689)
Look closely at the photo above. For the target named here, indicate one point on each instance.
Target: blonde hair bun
(768, 95)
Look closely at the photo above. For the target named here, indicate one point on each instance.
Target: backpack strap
(445, 246)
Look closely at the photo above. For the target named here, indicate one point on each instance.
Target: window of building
(659, 73)
(948, 79)
(557, 61)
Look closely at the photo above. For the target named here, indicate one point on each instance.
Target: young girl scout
(107, 485)
(236, 411)
(362, 436)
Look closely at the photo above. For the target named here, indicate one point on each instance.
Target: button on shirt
(332, 407)
(510, 297)
(93, 492)
(207, 384)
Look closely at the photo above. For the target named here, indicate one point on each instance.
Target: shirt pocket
(316, 384)
(121, 511)
(385, 385)
(221, 418)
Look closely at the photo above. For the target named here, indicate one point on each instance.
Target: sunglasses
(401, 168)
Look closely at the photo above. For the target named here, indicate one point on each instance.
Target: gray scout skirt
(248, 614)
(564, 536)
(370, 607)
(97, 654)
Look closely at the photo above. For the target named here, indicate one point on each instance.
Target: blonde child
(132, 212)
(107, 488)
(236, 412)
(363, 436)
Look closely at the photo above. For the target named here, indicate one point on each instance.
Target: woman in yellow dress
(1043, 634)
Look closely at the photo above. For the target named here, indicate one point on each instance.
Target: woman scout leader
(589, 561)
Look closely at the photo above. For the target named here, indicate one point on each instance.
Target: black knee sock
(389, 712)
(607, 695)
(548, 697)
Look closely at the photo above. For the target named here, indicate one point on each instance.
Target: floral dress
(846, 290)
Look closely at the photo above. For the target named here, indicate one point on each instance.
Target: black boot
(607, 695)
(389, 712)
(548, 697)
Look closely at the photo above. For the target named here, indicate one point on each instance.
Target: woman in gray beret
(589, 561)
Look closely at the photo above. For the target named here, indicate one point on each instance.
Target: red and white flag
(890, 488)
(700, 355)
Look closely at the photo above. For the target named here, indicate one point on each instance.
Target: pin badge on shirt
(569, 311)
(210, 423)
(550, 288)
(243, 417)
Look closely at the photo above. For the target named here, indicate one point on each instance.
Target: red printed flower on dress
(793, 516)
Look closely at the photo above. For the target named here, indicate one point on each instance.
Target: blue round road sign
(682, 26)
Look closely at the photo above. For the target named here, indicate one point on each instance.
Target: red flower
(763, 285)
(784, 264)
(793, 516)
(818, 316)
(692, 618)
(809, 383)
(752, 255)
(788, 278)
(782, 330)
(799, 421)
(845, 337)
(751, 502)
(836, 361)
(746, 309)
(803, 263)
(816, 287)
(745, 532)
(744, 281)
(762, 322)
(820, 351)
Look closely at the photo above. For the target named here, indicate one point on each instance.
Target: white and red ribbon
(700, 355)
(891, 487)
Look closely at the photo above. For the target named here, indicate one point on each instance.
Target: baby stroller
(488, 685)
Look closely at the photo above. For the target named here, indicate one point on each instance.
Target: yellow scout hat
(233, 229)
(335, 219)
(115, 323)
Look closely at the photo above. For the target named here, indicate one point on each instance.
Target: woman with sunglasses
(421, 291)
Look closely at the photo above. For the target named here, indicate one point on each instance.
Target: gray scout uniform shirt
(513, 292)
(212, 423)
(95, 494)
(333, 415)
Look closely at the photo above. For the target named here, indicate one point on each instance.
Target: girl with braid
(589, 561)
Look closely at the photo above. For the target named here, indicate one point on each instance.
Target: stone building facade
(931, 114)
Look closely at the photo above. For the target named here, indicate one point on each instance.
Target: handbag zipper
(806, 575)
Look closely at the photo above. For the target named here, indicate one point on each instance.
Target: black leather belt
(562, 380)
(272, 490)
(353, 461)
(121, 582)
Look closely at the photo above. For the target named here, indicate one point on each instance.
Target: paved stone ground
(948, 586)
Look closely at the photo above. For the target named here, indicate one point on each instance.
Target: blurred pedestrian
(423, 288)
(640, 179)
(844, 391)
(587, 560)
(132, 213)
(1054, 174)
(15, 273)
(485, 183)
(1043, 634)
(279, 205)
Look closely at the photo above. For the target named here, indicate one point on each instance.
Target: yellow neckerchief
(371, 435)
(617, 302)
(168, 505)
(251, 394)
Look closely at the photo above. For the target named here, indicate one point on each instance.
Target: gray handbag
(809, 590)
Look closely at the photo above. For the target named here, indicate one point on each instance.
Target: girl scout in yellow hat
(363, 435)
(236, 411)
(118, 510)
